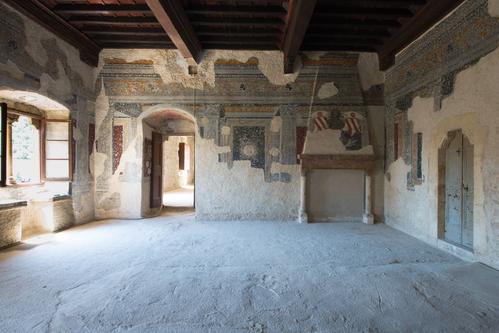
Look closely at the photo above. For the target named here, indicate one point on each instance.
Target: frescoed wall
(252, 122)
(34, 62)
(445, 81)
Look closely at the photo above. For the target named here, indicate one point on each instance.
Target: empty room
(260, 166)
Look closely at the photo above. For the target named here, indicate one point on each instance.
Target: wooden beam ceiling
(382, 26)
(38, 12)
(299, 15)
(172, 17)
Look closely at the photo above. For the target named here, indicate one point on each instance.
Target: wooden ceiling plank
(365, 13)
(124, 31)
(234, 10)
(413, 28)
(93, 9)
(38, 12)
(373, 4)
(172, 17)
(299, 15)
(113, 20)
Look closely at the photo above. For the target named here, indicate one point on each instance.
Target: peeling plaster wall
(248, 115)
(32, 59)
(461, 95)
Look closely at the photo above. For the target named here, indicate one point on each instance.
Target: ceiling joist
(172, 17)
(299, 15)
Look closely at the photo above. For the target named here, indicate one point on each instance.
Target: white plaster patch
(275, 124)
(99, 162)
(369, 72)
(327, 90)
(253, 199)
(494, 8)
(101, 108)
(225, 130)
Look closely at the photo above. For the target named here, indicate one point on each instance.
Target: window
(25, 155)
(33, 149)
(57, 150)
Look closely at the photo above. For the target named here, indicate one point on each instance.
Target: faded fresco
(338, 132)
(260, 122)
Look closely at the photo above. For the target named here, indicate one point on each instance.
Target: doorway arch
(168, 157)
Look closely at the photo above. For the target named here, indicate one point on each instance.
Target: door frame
(442, 199)
(157, 140)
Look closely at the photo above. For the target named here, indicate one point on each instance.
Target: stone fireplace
(344, 162)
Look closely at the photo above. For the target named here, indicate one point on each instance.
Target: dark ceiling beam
(299, 15)
(413, 28)
(172, 17)
(38, 12)
(253, 11)
(93, 9)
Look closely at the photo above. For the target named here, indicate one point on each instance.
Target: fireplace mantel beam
(352, 162)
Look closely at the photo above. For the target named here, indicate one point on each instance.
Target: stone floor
(171, 274)
(181, 197)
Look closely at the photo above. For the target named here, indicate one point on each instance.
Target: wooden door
(157, 171)
(459, 191)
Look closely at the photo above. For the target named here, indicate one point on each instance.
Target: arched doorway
(456, 190)
(169, 155)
